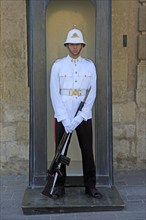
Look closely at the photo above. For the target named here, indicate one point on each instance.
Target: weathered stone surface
(1, 113)
(15, 70)
(15, 92)
(124, 113)
(124, 22)
(13, 49)
(141, 75)
(16, 112)
(11, 149)
(3, 153)
(8, 131)
(11, 11)
(15, 27)
(120, 68)
(119, 91)
(124, 131)
(142, 0)
(125, 154)
(118, 51)
(141, 85)
(141, 123)
(14, 131)
(141, 47)
(141, 134)
(142, 18)
(141, 97)
(22, 131)
(15, 166)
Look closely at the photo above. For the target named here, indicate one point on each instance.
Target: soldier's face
(74, 50)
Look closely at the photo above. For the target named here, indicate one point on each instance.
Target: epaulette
(56, 61)
(88, 60)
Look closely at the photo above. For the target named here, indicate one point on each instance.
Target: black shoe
(58, 192)
(93, 192)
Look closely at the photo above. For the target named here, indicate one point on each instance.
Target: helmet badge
(75, 36)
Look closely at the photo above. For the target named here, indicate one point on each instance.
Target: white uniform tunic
(70, 74)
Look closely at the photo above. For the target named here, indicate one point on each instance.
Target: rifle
(60, 158)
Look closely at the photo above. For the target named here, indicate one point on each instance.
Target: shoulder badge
(88, 60)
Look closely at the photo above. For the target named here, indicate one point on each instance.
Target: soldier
(71, 77)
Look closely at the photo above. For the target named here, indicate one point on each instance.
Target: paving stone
(130, 185)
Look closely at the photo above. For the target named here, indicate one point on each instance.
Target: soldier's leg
(84, 133)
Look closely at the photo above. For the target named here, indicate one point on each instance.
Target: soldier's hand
(67, 123)
(76, 121)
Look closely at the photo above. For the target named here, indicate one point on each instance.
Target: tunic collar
(74, 60)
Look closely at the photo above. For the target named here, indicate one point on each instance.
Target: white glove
(75, 122)
(66, 123)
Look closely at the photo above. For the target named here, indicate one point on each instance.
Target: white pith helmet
(74, 36)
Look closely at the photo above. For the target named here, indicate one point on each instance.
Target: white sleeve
(58, 106)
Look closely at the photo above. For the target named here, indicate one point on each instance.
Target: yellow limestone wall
(129, 85)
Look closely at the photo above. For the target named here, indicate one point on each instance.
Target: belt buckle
(75, 92)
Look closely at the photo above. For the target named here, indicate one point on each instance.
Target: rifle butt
(47, 189)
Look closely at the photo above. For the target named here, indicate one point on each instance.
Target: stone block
(8, 131)
(142, 47)
(17, 149)
(15, 166)
(15, 70)
(121, 149)
(141, 135)
(3, 153)
(13, 49)
(142, 1)
(15, 92)
(22, 131)
(120, 69)
(130, 131)
(141, 76)
(124, 148)
(141, 123)
(141, 97)
(142, 18)
(14, 157)
(16, 112)
(16, 28)
(13, 9)
(124, 131)
(119, 91)
(124, 154)
(124, 113)
(141, 150)
(1, 113)
(120, 11)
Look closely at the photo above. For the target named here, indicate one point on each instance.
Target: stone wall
(14, 103)
(141, 85)
(129, 85)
